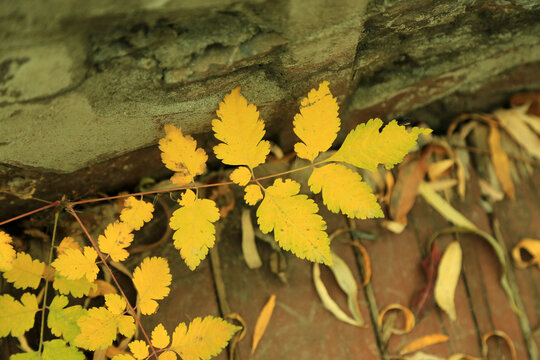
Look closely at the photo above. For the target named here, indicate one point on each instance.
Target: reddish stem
(30, 212)
(131, 309)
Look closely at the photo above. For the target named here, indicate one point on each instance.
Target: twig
(30, 212)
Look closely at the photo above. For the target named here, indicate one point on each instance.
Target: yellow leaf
(101, 287)
(531, 247)
(160, 337)
(123, 357)
(25, 272)
(343, 189)
(500, 161)
(126, 325)
(204, 339)
(136, 212)
(241, 176)
(294, 219)
(505, 337)
(115, 303)
(262, 322)
(195, 231)
(151, 279)
(423, 342)
(116, 238)
(253, 194)
(77, 288)
(317, 124)
(241, 132)
(365, 147)
(17, 317)
(98, 329)
(139, 349)
(74, 265)
(179, 153)
(167, 355)
(447, 279)
(409, 318)
(7, 253)
(67, 243)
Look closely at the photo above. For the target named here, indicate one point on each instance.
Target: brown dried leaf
(423, 342)
(262, 322)
(102, 288)
(501, 334)
(422, 302)
(500, 162)
(512, 121)
(526, 253)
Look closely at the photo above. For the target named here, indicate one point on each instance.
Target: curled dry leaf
(440, 168)
(500, 162)
(239, 336)
(526, 253)
(502, 335)
(394, 226)
(367, 262)
(512, 121)
(443, 184)
(390, 182)
(489, 191)
(102, 288)
(327, 301)
(409, 318)
(262, 322)
(423, 300)
(447, 279)
(347, 283)
(249, 248)
(423, 342)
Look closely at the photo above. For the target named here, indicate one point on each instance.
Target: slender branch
(30, 212)
(56, 215)
(100, 254)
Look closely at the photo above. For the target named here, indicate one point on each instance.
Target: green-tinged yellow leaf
(77, 288)
(139, 349)
(73, 264)
(7, 253)
(116, 238)
(241, 176)
(204, 339)
(52, 350)
(25, 272)
(343, 189)
(180, 154)
(160, 337)
(253, 194)
(17, 317)
(317, 123)
(136, 212)
(151, 279)
(195, 231)
(365, 147)
(241, 132)
(62, 320)
(294, 219)
(115, 303)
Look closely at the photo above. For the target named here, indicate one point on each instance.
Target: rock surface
(85, 82)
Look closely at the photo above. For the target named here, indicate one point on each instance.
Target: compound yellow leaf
(179, 153)
(139, 349)
(241, 176)
(62, 320)
(160, 337)
(294, 219)
(195, 231)
(447, 279)
(365, 147)
(67, 243)
(151, 279)
(317, 124)
(116, 238)
(241, 132)
(136, 212)
(25, 272)
(17, 317)
(253, 194)
(204, 339)
(7, 253)
(73, 264)
(343, 189)
(115, 303)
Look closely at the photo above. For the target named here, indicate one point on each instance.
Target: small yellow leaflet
(139, 349)
(241, 176)
(241, 132)
(67, 243)
(7, 253)
(179, 153)
(294, 219)
(160, 337)
(115, 303)
(253, 194)
(317, 124)
(73, 264)
(100, 326)
(365, 147)
(195, 231)
(77, 288)
(17, 317)
(62, 320)
(343, 189)
(151, 279)
(204, 339)
(116, 238)
(25, 272)
(136, 212)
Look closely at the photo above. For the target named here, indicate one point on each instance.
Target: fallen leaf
(327, 301)
(390, 182)
(423, 342)
(423, 356)
(393, 226)
(489, 191)
(409, 318)
(532, 100)
(444, 184)
(249, 248)
(440, 168)
(512, 121)
(102, 288)
(526, 253)
(423, 300)
(347, 283)
(500, 162)
(367, 262)
(447, 279)
(262, 322)
(502, 335)
(238, 336)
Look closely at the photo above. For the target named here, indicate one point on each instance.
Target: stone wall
(84, 82)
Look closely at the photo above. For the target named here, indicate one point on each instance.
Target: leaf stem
(51, 250)
(100, 254)
(30, 212)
